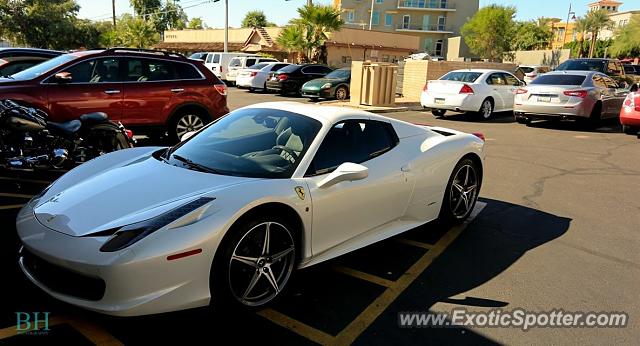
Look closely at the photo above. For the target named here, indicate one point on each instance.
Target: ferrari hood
(125, 195)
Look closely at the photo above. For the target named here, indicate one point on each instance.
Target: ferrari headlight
(130, 234)
(326, 86)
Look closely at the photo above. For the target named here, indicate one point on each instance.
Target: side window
(353, 141)
(135, 71)
(511, 80)
(96, 71)
(276, 67)
(209, 58)
(610, 83)
(325, 69)
(250, 62)
(160, 70)
(186, 71)
(216, 58)
(9, 69)
(235, 62)
(496, 79)
(314, 69)
(599, 82)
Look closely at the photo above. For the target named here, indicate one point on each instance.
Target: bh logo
(32, 321)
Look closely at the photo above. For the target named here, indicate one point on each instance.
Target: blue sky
(280, 11)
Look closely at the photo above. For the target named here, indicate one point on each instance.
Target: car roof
(480, 70)
(129, 52)
(593, 59)
(574, 72)
(24, 49)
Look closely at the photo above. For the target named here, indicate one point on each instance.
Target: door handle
(111, 92)
(406, 168)
(177, 90)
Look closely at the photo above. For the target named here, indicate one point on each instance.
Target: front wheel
(255, 264)
(342, 93)
(462, 192)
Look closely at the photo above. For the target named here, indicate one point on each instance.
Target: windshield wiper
(194, 165)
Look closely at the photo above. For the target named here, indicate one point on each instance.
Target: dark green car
(334, 85)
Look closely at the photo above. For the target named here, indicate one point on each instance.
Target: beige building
(432, 21)
(341, 47)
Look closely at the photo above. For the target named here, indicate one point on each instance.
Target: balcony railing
(419, 27)
(426, 4)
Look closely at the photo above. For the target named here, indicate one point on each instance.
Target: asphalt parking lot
(557, 228)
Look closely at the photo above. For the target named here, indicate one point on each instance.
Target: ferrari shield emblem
(300, 192)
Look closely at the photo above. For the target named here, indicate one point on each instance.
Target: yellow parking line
(35, 181)
(414, 243)
(13, 330)
(364, 276)
(16, 195)
(94, 333)
(348, 335)
(297, 326)
(11, 206)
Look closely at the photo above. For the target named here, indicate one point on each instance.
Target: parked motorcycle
(28, 141)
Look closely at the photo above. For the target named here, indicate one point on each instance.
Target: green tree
(196, 23)
(292, 38)
(145, 7)
(580, 28)
(133, 32)
(170, 16)
(315, 22)
(627, 39)
(597, 21)
(255, 19)
(490, 31)
(39, 23)
(530, 35)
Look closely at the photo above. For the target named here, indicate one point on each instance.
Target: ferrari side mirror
(345, 172)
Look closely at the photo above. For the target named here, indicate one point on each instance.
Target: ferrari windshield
(252, 142)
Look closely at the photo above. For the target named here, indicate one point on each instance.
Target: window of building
(379, 1)
(385, 58)
(351, 16)
(439, 45)
(375, 18)
(443, 3)
(433, 4)
(406, 21)
(441, 23)
(388, 19)
(428, 45)
(346, 59)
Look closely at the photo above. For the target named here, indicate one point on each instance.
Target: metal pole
(371, 15)
(226, 25)
(113, 7)
(566, 28)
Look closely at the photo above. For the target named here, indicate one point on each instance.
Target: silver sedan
(586, 95)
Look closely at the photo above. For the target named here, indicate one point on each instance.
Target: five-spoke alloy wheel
(462, 191)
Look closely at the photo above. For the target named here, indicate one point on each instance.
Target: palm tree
(597, 21)
(580, 28)
(292, 39)
(316, 21)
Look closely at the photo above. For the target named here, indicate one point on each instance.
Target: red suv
(148, 91)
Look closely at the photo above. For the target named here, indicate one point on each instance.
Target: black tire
(450, 212)
(486, 109)
(438, 113)
(185, 120)
(229, 276)
(252, 89)
(595, 117)
(630, 130)
(342, 93)
(521, 119)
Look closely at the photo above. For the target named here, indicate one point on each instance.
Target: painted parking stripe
(363, 321)
(11, 206)
(414, 243)
(15, 195)
(364, 276)
(296, 326)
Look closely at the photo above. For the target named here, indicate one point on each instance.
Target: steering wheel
(288, 150)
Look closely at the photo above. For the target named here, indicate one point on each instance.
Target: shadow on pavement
(496, 239)
(496, 118)
(605, 126)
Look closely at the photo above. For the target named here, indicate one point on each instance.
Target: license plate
(544, 98)
(439, 101)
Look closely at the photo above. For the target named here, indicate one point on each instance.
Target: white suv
(238, 63)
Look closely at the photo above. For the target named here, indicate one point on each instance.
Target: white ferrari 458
(227, 215)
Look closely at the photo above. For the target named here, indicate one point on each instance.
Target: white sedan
(255, 77)
(474, 90)
(227, 216)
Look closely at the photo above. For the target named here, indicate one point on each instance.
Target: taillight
(630, 102)
(577, 93)
(466, 89)
(425, 87)
(521, 91)
(253, 74)
(221, 89)
(479, 135)
(129, 133)
(282, 77)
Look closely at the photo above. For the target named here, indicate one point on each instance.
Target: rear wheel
(462, 192)
(630, 130)
(594, 118)
(521, 119)
(255, 263)
(438, 113)
(486, 109)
